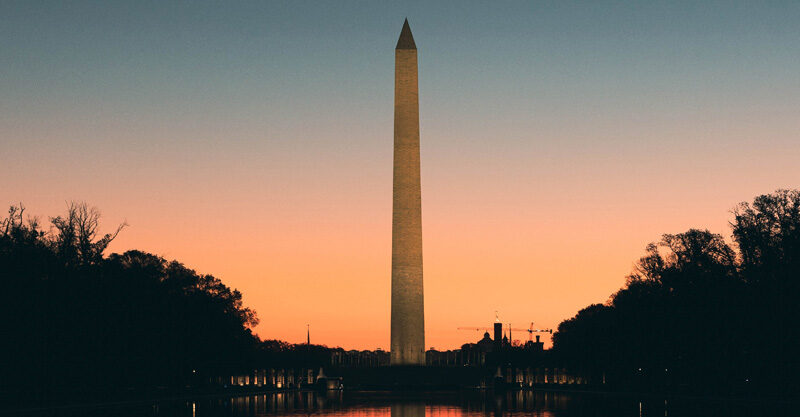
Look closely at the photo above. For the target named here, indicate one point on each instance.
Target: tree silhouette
(76, 238)
(74, 319)
(699, 313)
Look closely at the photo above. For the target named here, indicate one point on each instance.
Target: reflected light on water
(453, 404)
(334, 403)
(408, 410)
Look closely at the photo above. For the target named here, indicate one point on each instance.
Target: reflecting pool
(437, 404)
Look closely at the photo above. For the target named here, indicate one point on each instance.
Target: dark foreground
(429, 404)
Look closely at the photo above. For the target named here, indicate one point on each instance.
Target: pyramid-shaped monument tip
(406, 40)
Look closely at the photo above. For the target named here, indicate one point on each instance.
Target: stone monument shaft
(408, 311)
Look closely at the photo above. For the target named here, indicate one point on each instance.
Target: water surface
(456, 404)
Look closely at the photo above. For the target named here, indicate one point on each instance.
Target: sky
(253, 141)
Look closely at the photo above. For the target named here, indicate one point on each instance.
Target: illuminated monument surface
(408, 312)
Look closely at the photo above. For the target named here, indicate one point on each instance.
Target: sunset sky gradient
(253, 141)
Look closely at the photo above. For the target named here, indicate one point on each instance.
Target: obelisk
(408, 311)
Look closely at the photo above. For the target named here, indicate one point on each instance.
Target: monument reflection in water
(408, 410)
(455, 404)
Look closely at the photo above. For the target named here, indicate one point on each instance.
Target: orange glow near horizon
(308, 241)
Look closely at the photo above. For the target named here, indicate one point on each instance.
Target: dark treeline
(74, 319)
(698, 313)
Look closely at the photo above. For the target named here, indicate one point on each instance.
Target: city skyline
(559, 141)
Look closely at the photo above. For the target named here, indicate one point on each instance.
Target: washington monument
(408, 310)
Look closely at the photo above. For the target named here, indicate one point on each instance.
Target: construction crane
(531, 331)
(477, 329)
